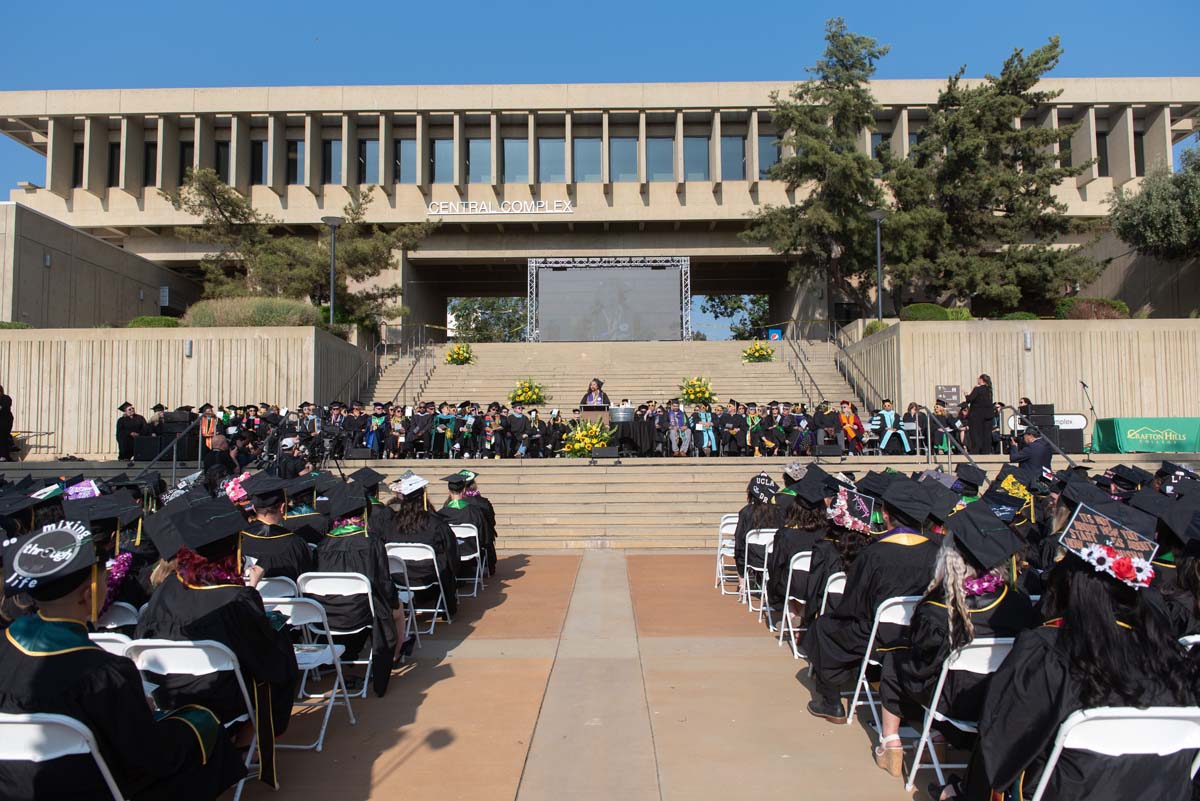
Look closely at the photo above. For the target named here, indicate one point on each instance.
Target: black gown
(127, 427)
(788, 543)
(435, 531)
(979, 419)
(1031, 694)
(231, 614)
(463, 511)
(489, 513)
(898, 563)
(278, 551)
(51, 667)
(743, 528)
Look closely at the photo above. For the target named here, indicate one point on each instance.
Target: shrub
(237, 312)
(959, 313)
(1019, 315)
(153, 321)
(924, 312)
(874, 327)
(1091, 309)
(6, 324)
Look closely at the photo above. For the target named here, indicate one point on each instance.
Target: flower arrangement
(529, 392)
(696, 389)
(460, 354)
(758, 352)
(584, 436)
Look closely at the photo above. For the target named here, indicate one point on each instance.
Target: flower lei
(118, 569)
(839, 513)
(1132, 570)
(986, 584)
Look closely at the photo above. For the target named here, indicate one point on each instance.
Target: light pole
(333, 223)
(877, 215)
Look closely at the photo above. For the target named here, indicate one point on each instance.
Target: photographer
(292, 463)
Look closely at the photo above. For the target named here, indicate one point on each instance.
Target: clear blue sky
(78, 44)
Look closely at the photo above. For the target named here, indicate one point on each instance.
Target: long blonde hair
(951, 570)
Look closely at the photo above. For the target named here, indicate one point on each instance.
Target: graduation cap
(299, 486)
(1110, 547)
(1085, 492)
(1183, 520)
(970, 478)
(875, 484)
(264, 489)
(1152, 502)
(54, 561)
(207, 524)
(162, 531)
(1171, 470)
(982, 537)
(468, 475)
(367, 478)
(124, 406)
(347, 500)
(1183, 488)
(943, 500)
(455, 482)
(762, 487)
(795, 470)
(810, 492)
(1127, 478)
(937, 476)
(909, 498)
(1143, 523)
(103, 511)
(408, 484)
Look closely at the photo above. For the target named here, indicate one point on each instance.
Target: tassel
(137, 540)
(95, 593)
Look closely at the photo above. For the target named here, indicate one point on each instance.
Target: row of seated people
(193, 562)
(1097, 580)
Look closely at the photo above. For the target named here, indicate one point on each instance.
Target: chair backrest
(298, 611)
(898, 610)
(181, 657)
(760, 536)
(42, 737)
(412, 551)
(1120, 731)
(277, 587)
(982, 656)
(1189, 641)
(333, 584)
(110, 641)
(728, 526)
(834, 585)
(467, 531)
(801, 561)
(118, 615)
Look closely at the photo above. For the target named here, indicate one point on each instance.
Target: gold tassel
(136, 540)
(95, 593)
(239, 554)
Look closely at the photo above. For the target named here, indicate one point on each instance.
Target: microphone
(1082, 384)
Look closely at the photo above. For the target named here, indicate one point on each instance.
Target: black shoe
(827, 708)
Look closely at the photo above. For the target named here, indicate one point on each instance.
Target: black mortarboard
(908, 497)
(984, 538)
(162, 530)
(1152, 502)
(300, 486)
(367, 478)
(13, 503)
(208, 522)
(264, 489)
(52, 562)
(874, 484)
(346, 500)
(970, 476)
(1184, 522)
(942, 500)
(762, 487)
(810, 491)
(158, 407)
(455, 481)
(1127, 478)
(102, 511)
(124, 406)
(325, 482)
(1085, 492)
(1170, 469)
(1135, 519)
(1183, 488)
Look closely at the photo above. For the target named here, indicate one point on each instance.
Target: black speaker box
(1041, 420)
(1071, 440)
(359, 453)
(1041, 408)
(1051, 433)
(604, 453)
(827, 450)
(145, 448)
(187, 449)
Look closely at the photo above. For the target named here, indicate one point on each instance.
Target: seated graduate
(458, 509)
(793, 472)
(48, 665)
(144, 491)
(970, 596)
(107, 517)
(969, 479)
(471, 495)
(207, 598)
(1105, 644)
(758, 513)
(899, 563)
(274, 548)
(805, 523)
(413, 521)
(349, 548)
(1177, 563)
(300, 514)
(379, 514)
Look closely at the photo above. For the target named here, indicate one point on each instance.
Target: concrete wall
(53, 275)
(1134, 367)
(1165, 289)
(71, 382)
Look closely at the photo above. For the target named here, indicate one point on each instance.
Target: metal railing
(951, 441)
(855, 376)
(1028, 424)
(417, 346)
(794, 358)
(173, 449)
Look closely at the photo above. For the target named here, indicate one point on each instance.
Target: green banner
(1146, 435)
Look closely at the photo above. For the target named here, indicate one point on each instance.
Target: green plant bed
(153, 321)
(924, 312)
(1091, 309)
(7, 324)
(1020, 315)
(256, 312)
(874, 327)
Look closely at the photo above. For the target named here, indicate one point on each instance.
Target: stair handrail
(955, 445)
(797, 356)
(423, 365)
(1029, 424)
(855, 377)
(174, 449)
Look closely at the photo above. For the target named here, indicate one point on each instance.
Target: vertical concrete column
(168, 152)
(1120, 146)
(1083, 145)
(864, 142)
(531, 138)
(678, 154)
(568, 150)
(95, 155)
(133, 149)
(752, 150)
(641, 150)
(714, 149)
(350, 176)
(387, 146)
(60, 155)
(1156, 142)
(605, 175)
(899, 140)
(239, 154)
(312, 152)
(1048, 118)
(422, 147)
(277, 153)
(494, 149)
(204, 149)
(460, 150)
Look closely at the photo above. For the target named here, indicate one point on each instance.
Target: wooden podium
(598, 413)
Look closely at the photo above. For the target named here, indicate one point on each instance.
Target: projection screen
(588, 304)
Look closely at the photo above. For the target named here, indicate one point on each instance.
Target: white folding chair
(726, 555)
(468, 535)
(982, 656)
(278, 587)
(397, 567)
(409, 552)
(110, 641)
(763, 537)
(308, 615)
(197, 658)
(1122, 731)
(1189, 641)
(41, 737)
(800, 563)
(897, 611)
(344, 584)
(118, 615)
(835, 585)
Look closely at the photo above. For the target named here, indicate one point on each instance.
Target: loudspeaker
(145, 448)
(609, 452)
(1071, 440)
(1051, 433)
(1041, 420)
(1041, 408)
(359, 453)
(827, 450)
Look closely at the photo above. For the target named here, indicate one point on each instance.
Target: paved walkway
(600, 675)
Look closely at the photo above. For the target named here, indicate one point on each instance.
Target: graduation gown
(463, 511)
(127, 427)
(898, 563)
(788, 543)
(231, 614)
(1027, 700)
(278, 551)
(310, 526)
(744, 527)
(51, 667)
(435, 531)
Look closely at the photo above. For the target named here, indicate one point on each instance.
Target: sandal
(954, 785)
(890, 759)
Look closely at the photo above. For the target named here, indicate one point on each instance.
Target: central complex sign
(453, 207)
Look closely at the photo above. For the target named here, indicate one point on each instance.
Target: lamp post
(877, 215)
(333, 223)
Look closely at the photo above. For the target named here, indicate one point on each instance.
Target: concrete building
(517, 172)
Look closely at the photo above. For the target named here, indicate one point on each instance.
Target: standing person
(680, 431)
(595, 395)
(702, 424)
(208, 425)
(980, 414)
(130, 426)
(6, 426)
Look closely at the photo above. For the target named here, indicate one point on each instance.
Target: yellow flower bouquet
(696, 390)
(460, 354)
(584, 436)
(758, 352)
(528, 392)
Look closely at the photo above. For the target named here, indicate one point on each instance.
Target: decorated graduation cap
(104, 513)
(937, 476)
(409, 484)
(468, 475)
(795, 470)
(982, 537)
(208, 524)
(909, 498)
(762, 487)
(1183, 488)
(970, 478)
(1110, 547)
(55, 561)
(1172, 470)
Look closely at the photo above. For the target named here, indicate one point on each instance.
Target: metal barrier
(1025, 420)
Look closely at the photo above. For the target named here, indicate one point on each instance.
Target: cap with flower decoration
(1110, 547)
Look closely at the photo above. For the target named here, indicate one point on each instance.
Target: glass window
(516, 161)
(479, 161)
(1102, 154)
(552, 165)
(368, 161)
(295, 161)
(1064, 153)
(768, 156)
(187, 159)
(441, 160)
(221, 159)
(622, 158)
(912, 140)
(77, 165)
(1139, 153)
(586, 159)
(150, 164)
(660, 158)
(695, 158)
(258, 162)
(114, 163)
(733, 158)
(879, 141)
(331, 161)
(405, 157)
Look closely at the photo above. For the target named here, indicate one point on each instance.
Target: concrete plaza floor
(599, 674)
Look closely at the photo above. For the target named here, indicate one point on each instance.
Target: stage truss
(684, 263)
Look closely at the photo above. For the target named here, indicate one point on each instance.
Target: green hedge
(959, 313)
(5, 324)
(1091, 309)
(151, 321)
(924, 312)
(1019, 315)
(874, 327)
(256, 312)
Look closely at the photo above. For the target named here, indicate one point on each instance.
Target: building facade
(517, 172)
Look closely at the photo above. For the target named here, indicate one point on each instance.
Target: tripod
(1087, 454)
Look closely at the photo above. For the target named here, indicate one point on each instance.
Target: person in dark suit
(979, 418)
(1035, 454)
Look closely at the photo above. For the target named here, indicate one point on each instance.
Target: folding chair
(981, 656)
(726, 562)
(468, 535)
(898, 611)
(118, 615)
(197, 658)
(344, 584)
(307, 614)
(278, 587)
(110, 641)
(1119, 731)
(408, 552)
(834, 585)
(43, 737)
(763, 537)
(1189, 641)
(800, 563)
(396, 567)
